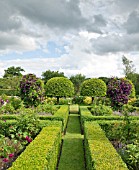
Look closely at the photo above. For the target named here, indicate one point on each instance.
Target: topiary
(93, 87)
(59, 87)
(31, 90)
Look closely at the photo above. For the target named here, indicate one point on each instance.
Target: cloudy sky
(71, 36)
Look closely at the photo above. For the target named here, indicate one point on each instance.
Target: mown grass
(72, 156)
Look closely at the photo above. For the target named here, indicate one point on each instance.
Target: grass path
(72, 156)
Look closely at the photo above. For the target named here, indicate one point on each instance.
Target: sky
(87, 37)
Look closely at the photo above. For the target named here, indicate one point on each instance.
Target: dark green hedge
(99, 152)
(42, 152)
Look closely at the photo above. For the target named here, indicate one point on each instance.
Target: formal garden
(46, 126)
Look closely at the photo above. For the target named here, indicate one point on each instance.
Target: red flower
(11, 155)
(5, 160)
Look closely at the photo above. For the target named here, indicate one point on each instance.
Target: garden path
(72, 155)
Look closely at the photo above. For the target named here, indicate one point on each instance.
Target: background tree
(130, 73)
(129, 67)
(59, 87)
(93, 87)
(105, 79)
(77, 80)
(13, 71)
(50, 74)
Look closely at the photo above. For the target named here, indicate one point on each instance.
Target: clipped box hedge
(42, 153)
(62, 114)
(99, 152)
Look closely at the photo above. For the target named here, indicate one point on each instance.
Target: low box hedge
(62, 114)
(42, 152)
(99, 152)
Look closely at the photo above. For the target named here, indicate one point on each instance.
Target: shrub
(87, 100)
(93, 87)
(31, 90)
(100, 110)
(119, 91)
(42, 152)
(99, 152)
(59, 87)
(78, 99)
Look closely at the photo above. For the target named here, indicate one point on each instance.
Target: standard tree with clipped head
(93, 87)
(59, 87)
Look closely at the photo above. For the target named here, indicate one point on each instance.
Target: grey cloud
(54, 13)
(132, 23)
(96, 24)
(115, 43)
(8, 20)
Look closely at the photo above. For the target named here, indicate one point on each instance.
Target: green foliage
(59, 87)
(87, 100)
(100, 110)
(100, 155)
(42, 153)
(31, 90)
(93, 87)
(77, 80)
(50, 74)
(132, 157)
(46, 109)
(77, 99)
(62, 114)
(13, 71)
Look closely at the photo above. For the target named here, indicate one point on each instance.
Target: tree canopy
(59, 87)
(77, 80)
(13, 71)
(93, 87)
(50, 74)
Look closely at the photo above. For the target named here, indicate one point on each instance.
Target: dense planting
(31, 90)
(119, 91)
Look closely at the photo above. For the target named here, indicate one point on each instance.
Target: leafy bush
(87, 100)
(78, 99)
(119, 91)
(31, 90)
(59, 87)
(100, 110)
(93, 87)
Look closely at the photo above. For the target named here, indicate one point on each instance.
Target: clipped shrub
(42, 152)
(93, 87)
(87, 100)
(59, 87)
(31, 90)
(99, 152)
(100, 110)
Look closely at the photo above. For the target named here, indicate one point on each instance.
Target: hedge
(86, 115)
(9, 92)
(42, 152)
(62, 114)
(99, 152)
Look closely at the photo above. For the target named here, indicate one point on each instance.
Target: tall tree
(13, 71)
(77, 80)
(129, 67)
(50, 74)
